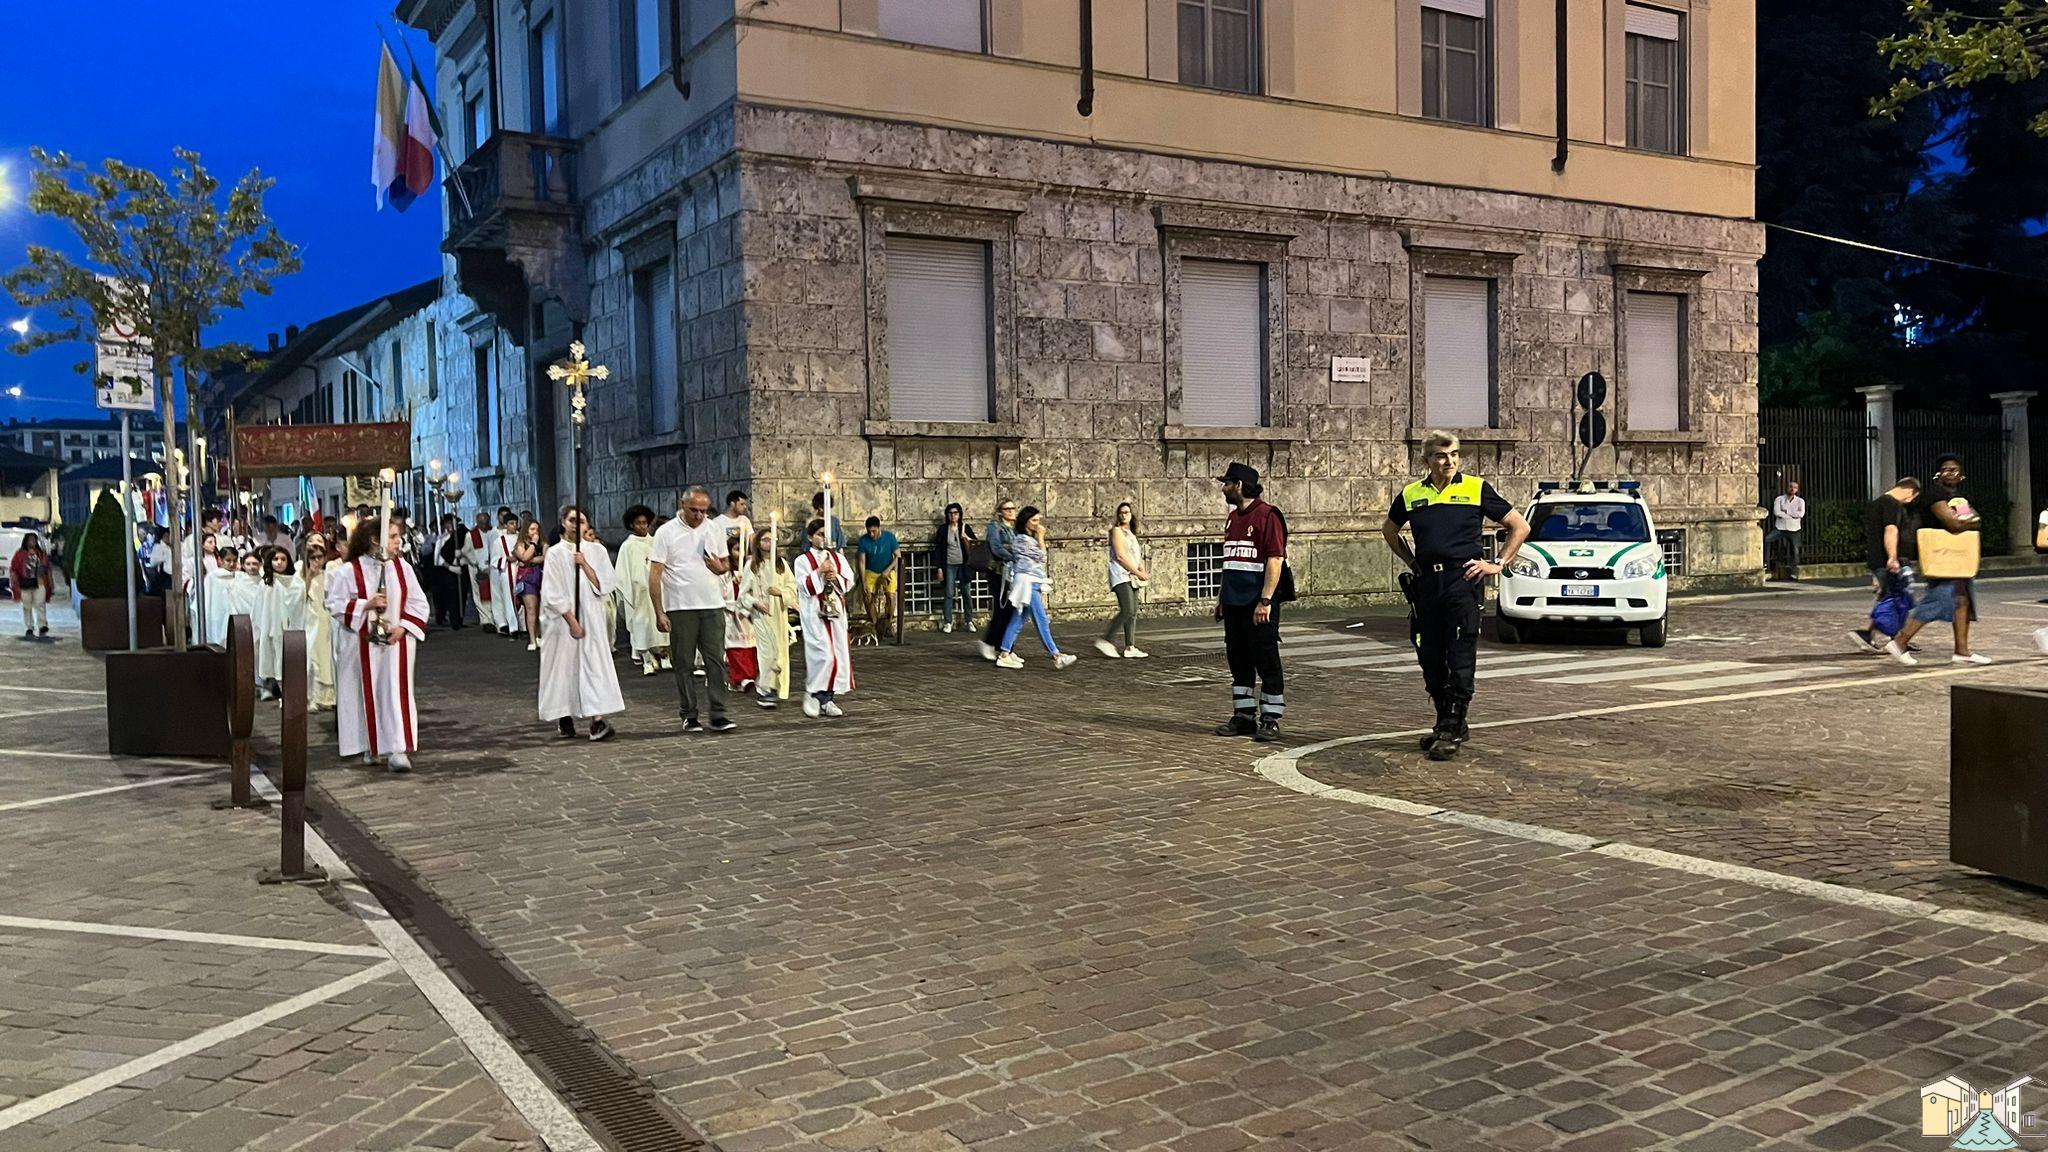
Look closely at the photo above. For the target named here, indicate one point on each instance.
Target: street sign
(1351, 369)
(124, 370)
(1592, 391)
(1592, 430)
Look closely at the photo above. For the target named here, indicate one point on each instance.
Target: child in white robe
(280, 608)
(823, 578)
(376, 712)
(318, 624)
(650, 643)
(577, 677)
(197, 574)
(768, 591)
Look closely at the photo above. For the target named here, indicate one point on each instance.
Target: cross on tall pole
(577, 372)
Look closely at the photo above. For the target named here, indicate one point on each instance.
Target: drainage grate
(620, 1107)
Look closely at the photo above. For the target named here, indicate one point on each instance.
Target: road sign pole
(128, 525)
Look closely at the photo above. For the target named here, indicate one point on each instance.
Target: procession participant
(577, 678)
(732, 524)
(527, 557)
(504, 571)
(314, 565)
(221, 578)
(649, 643)
(742, 666)
(479, 543)
(823, 578)
(611, 600)
(1446, 512)
(448, 575)
(279, 609)
(768, 591)
(380, 616)
(684, 564)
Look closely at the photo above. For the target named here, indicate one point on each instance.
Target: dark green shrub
(101, 552)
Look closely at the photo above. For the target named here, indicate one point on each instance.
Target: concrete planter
(166, 703)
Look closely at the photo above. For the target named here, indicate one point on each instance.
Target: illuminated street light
(20, 326)
(14, 390)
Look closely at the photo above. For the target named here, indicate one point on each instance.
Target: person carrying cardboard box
(1949, 564)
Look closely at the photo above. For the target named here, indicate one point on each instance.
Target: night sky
(283, 85)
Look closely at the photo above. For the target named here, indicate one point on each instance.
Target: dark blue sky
(283, 85)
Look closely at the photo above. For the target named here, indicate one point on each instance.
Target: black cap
(1242, 473)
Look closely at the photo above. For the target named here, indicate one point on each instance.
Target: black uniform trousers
(1447, 634)
(1258, 686)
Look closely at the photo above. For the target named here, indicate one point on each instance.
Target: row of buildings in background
(1075, 254)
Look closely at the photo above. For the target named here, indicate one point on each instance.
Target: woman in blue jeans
(1027, 591)
(951, 545)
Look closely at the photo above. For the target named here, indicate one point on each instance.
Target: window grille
(1205, 570)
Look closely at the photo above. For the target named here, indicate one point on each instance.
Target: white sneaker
(1136, 654)
(533, 645)
(811, 707)
(1108, 649)
(1971, 658)
(1064, 659)
(1009, 660)
(399, 763)
(946, 628)
(832, 709)
(1900, 654)
(648, 669)
(988, 650)
(666, 665)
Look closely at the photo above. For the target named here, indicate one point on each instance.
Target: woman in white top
(1127, 574)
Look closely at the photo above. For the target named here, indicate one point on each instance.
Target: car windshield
(1598, 522)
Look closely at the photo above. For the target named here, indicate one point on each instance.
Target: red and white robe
(374, 708)
(504, 574)
(828, 664)
(476, 555)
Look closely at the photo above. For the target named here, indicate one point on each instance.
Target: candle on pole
(826, 481)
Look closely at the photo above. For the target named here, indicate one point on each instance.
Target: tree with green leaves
(165, 258)
(1965, 43)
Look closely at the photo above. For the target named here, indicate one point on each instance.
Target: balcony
(512, 227)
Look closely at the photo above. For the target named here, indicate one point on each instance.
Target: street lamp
(20, 326)
(14, 390)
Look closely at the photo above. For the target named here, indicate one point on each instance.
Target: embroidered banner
(321, 449)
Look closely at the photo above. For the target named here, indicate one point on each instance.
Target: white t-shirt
(686, 584)
(722, 524)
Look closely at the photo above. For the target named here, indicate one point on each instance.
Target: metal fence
(1978, 438)
(1827, 450)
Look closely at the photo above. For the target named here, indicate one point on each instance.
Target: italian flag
(402, 158)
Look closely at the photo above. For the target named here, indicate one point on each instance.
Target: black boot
(1436, 731)
(567, 726)
(1239, 724)
(1269, 731)
(1452, 733)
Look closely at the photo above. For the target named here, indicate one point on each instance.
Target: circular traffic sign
(1592, 390)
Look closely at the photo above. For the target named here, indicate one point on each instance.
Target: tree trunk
(174, 596)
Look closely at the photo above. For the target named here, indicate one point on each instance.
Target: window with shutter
(1455, 79)
(1219, 44)
(1655, 95)
(939, 23)
(1457, 352)
(1223, 344)
(654, 354)
(939, 356)
(1656, 382)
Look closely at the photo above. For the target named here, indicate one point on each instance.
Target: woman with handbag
(951, 545)
(1127, 574)
(1028, 586)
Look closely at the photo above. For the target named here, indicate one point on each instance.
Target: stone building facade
(763, 203)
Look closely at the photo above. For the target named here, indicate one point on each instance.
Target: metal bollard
(291, 853)
(241, 714)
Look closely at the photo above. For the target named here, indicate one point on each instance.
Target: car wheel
(1653, 633)
(1506, 631)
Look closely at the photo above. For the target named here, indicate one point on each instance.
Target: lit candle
(827, 478)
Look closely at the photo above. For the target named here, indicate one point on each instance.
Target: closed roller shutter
(1458, 352)
(1658, 23)
(1223, 344)
(938, 331)
(664, 393)
(1654, 381)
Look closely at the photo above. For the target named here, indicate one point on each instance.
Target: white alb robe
(319, 639)
(476, 552)
(279, 609)
(828, 664)
(638, 601)
(229, 593)
(577, 677)
(504, 569)
(195, 574)
(375, 709)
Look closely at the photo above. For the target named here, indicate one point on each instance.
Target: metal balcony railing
(512, 172)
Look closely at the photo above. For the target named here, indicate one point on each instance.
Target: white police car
(1592, 560)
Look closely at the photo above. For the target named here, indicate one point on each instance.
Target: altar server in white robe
(504, 597)
(375, 712)
(479, 546)
(280, 609)
(650, 643)
(232, 585)
(823, 578)
(577, 676)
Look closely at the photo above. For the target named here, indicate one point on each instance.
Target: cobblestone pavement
(366, 1064)
(1039, 910)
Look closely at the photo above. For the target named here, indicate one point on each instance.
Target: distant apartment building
(71, 440)
(951, 250)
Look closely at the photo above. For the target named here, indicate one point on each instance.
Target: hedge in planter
(98, 575)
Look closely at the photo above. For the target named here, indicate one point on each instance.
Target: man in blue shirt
(1001, 531)
(878, 573)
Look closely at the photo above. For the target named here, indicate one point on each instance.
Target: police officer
(1446, 511)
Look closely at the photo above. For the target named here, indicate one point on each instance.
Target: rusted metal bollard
(291, 853)
(241, 713)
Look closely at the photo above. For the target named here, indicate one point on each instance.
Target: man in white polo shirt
(684, 564)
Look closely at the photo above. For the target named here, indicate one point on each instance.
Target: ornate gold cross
(577, 372)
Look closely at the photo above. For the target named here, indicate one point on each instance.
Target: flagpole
(433, 117)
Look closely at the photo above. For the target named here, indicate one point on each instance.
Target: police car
(1592, 560)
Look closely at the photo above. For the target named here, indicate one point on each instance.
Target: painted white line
(1650, 673)
(1334, 643)
(1390, 659)
(58, 691)
(72, 1093)
(102, 757)
(274, 943)
(1486, 673)
(537, 1103)
(1734, 681)
(51, 711)
(15, 805)
(1405, 661)
(1778, 882)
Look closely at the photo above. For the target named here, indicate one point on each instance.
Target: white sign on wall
(1351, 369)
(124, 372)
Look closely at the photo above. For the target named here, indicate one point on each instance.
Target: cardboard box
(1946, 555)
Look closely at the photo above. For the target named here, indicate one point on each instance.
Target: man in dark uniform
(1254, 559)
(1446, 511)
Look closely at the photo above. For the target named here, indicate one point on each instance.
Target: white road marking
(537, 1103)
(1736, 681)
(15, 805)
(50, 711)
(59, 691)
(1405, 661)
(92, 1085)
(1486, 673)
(102, 757)
(274, 943)
(1334, 644)
(1649, 673)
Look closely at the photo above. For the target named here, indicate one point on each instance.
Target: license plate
(1587, 590)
